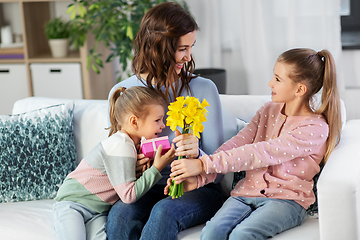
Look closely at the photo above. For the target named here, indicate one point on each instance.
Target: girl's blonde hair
(134, 100)
(317, 70)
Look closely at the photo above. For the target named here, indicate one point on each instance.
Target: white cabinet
(13, 85)
(27, 17)
(57, 80)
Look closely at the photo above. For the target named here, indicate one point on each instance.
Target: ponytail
(330, 102)
(317, 71)
(114, 119)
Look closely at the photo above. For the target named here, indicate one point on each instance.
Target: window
(350, 24)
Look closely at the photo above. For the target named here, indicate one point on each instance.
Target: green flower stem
(177, 190)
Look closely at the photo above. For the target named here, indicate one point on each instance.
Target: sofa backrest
(90, 119)
(90, 116)
(237, 108)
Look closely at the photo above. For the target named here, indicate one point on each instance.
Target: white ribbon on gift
(143, 139)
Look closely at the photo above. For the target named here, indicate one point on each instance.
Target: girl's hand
(183, 168)
(187, 145)
(161, 161)
(190, 184)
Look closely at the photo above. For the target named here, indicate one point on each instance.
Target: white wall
(11, 16)
(349, 75)
(11, 11)
(225, 54)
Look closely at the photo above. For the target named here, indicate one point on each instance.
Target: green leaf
(124, 65)
(95, 68)
(98, 61)
(110, 57)
(129, 32)
(72, 10)
(82, 11)
(93, 6)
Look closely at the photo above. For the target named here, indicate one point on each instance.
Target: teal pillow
(37, 151)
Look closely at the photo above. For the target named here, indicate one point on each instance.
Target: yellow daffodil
(186, 113)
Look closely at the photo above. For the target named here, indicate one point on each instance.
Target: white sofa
(338, 186)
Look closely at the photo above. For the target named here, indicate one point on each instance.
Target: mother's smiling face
(183, 52)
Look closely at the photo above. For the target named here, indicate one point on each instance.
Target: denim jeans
(253, 218)
(157, 217)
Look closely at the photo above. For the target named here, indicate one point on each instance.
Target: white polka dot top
(280, 155)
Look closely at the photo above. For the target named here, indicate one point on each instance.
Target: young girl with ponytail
(107, 173)
(280, 150)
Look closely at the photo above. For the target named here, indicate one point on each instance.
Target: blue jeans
(155, 216)
(253, 218)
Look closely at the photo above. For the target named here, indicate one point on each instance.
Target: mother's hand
(142, 164)
(187, 145)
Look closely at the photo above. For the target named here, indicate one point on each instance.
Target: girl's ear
(133, 120)
(301, 90)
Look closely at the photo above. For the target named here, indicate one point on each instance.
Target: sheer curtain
(246, 36)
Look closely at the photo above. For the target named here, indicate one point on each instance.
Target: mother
(163, 61)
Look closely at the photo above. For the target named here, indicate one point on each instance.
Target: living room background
(245, 37)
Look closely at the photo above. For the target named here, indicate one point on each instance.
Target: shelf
(5, 61)
(73, 56)
(31, 15)
(12, 50)
(12, 54)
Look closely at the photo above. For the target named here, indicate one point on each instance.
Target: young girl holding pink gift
(280, 150)
(163, 61)
(107, 173)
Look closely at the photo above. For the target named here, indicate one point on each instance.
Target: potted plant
(112, 22)
(57, 32)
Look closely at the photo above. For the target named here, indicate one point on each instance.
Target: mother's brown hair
(155, 46)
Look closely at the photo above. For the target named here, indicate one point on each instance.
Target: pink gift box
(149, 147)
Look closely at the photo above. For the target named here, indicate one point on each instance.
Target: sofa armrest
(338, 187)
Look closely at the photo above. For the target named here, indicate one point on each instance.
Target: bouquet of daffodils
(188, 114)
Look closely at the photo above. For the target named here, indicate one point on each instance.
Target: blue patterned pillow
(37, 151)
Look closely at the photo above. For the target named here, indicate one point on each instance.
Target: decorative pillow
(240, 124)
(313, 209)
(37, 151)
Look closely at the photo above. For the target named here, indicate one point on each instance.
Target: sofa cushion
(37, 151)
(90, 119)
(240, 124)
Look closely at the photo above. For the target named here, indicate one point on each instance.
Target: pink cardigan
(280, 155)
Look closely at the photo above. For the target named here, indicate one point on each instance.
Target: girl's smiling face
(152, 124)
(183, 52)
(283, 89)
